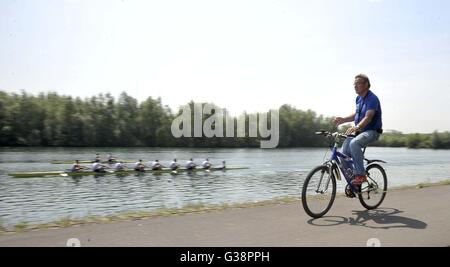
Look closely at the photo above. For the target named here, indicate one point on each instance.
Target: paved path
(410, 217)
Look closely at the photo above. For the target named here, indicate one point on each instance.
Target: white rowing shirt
(173, 165)
(118, 166)
(155, 164)
(206, 164)
(190, 164)
(96, 166)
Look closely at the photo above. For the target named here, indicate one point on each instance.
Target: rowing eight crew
(140, 166)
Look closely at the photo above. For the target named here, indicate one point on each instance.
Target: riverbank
(406, 218)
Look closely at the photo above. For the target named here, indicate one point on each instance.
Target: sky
(244, 55)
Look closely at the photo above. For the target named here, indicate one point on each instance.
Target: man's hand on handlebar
(351, 130)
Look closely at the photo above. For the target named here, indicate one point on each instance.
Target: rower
(206, 165)
(119, 166)
(98, 167)
(174, 165)
(190, 165)
(139, 166)
(77, 167)
(97, 157)
(111, 158)
(222, 167)
(156, 166)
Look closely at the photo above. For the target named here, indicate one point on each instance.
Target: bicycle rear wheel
(374, 190)
(319, 191)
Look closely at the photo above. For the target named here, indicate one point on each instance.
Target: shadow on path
(381, 218)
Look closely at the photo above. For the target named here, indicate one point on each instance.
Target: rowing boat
(91, 161)
(83, 173)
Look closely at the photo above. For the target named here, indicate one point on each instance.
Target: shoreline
(192, 208)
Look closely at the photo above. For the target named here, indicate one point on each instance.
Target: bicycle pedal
(348, 192)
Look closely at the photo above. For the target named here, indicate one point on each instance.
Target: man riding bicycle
(368, 126)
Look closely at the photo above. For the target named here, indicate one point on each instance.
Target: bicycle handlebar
(335, 134)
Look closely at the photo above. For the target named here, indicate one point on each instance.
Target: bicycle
(318, 193)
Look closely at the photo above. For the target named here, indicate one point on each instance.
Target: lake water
(272, 174)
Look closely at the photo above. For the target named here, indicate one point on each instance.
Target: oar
(107, 167)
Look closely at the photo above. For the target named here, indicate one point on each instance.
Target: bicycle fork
(327, 182)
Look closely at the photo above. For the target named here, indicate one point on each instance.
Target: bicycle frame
(335, 161)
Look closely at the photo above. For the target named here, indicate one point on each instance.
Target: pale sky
(241, 55)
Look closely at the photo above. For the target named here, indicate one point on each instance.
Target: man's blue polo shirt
(369, 102)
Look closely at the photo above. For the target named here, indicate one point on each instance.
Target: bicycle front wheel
(374, 190)
(319, 191)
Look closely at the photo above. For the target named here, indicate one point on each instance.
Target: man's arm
(340, 120)
(363, 123)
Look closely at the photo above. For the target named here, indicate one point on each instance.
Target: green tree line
(50, 119)
(434, 140)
